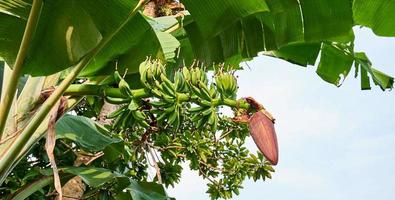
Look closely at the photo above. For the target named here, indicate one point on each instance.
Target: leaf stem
(12, 85)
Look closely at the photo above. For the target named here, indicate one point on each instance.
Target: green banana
(204, 91)
(122, 84)
(113, 100)
(156, 93)
(179, 81)
(202, 122)
(194, 76)
(186, 73)
(133, 105)
(214, 126)
(173, 117)
(211, 118)
(143, 123)
(118, 121)
(205, 103)
(196, 91)
(158, 85)
(158, 69)
(203, 76)
(213, 91)
(143, 68)
(162, 117)
(207, 111)
(169, 84)
(197, 117)
(169, 91)
(117, 112)
(149, 76)
(196, 109)
(170, 109)
(158, 103)
(117, 76)
(126, 121)
(139, 115)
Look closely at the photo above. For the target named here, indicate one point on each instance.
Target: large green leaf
(376, 14)
(130, 46)
(325, 19)
(64, 35)
(11, 31)
(92, 176)
(302, 54)
(68, 30)
(287, 19)
(213, 17)
(334, 65)
(287, 23)
(84, 132)
(146, 191)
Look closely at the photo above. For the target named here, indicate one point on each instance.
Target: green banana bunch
(198, 75)
(204, 116)
(150, 71)
(180, 82)
(171, 115)
(227, 85)
(128, 115)
(167, 86)
(196, 80)
(165, 102)
(152, 75)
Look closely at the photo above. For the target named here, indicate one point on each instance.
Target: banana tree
(63, 60)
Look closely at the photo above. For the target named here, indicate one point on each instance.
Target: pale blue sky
(335, 143)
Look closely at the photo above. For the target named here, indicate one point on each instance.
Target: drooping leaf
(379, 15)
(84, 132)
(365, 80)
(379, 78)
(163, 23)
(334, 65)
(383, 80)
(169, 45)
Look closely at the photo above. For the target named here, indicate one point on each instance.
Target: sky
(335, 143)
